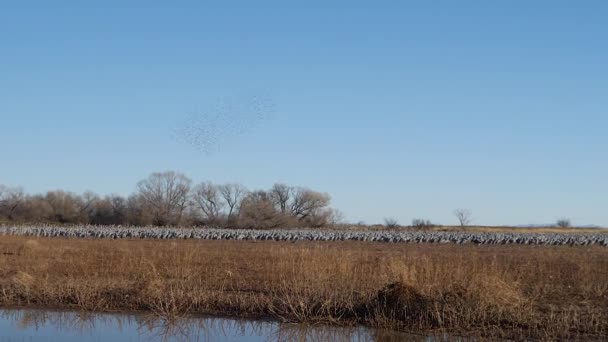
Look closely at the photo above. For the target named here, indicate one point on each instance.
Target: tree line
(170, 199)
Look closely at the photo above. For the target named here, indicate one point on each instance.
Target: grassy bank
(501, 291)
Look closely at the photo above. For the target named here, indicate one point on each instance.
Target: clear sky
(403, 109)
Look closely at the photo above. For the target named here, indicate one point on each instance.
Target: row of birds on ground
(455, 237)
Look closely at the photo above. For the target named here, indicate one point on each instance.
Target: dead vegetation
(497, 291)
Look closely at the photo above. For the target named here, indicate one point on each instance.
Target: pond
(40, 325)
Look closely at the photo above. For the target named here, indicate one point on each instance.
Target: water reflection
(35, 325)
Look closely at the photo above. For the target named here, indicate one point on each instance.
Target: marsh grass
(497, 291)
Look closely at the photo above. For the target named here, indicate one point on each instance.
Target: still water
(39, 325)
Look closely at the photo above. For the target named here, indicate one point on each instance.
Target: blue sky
(403, 109)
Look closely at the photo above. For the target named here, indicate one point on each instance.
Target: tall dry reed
(498, 291)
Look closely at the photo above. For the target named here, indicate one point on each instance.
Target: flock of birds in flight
(230, 117)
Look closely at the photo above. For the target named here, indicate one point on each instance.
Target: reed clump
(493, 291)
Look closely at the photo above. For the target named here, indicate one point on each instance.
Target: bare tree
(464, 216)
(64, 206)
(207, 198)
(390, 222)
(101, 212)
(166, 195)
(86, 205)
(136, 213)
(11, 200)
(336, 217)
(318, 219)
(563, 223)
(110, 210)
(306, 202)
(36, 209)
(281, 194)
(119, 208)
(233, 195)
(258, 212)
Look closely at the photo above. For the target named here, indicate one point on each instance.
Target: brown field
(496, 291)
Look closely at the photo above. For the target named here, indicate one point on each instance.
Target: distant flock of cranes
(481, 238)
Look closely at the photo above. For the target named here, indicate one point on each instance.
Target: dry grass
(498, 291)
